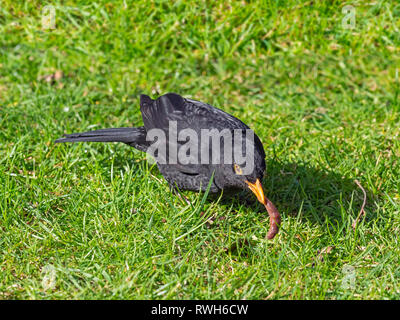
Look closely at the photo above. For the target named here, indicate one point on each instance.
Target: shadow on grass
(319, 195)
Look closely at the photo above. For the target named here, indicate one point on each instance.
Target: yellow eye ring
(238, 170)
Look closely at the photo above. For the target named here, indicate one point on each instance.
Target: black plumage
(190, 114)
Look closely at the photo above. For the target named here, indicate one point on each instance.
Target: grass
(96, 221)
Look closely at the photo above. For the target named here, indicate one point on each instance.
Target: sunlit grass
(323, 99)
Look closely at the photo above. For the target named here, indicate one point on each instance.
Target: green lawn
(96, 221)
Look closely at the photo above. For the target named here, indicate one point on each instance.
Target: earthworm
(274, 219)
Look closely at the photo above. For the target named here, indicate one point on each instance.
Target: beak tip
(257, 189)
(274, 216)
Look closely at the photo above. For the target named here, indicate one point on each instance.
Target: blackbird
(170, 115)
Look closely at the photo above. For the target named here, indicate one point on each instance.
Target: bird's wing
(187, 113)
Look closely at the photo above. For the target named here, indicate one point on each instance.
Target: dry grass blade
(362, 212)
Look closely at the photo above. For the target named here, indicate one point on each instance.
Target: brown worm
(274, 219)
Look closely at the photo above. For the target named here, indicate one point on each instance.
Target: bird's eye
(237, 169)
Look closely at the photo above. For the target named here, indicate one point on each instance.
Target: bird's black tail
(135, 137)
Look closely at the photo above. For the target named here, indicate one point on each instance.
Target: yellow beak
(274, 216)
(257, 190)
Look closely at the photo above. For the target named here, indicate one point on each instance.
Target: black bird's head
(236, 176)
(245, 169)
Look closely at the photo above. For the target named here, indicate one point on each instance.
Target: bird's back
(173, 110)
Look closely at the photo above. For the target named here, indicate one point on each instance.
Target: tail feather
(135, 137)
(109, 131)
